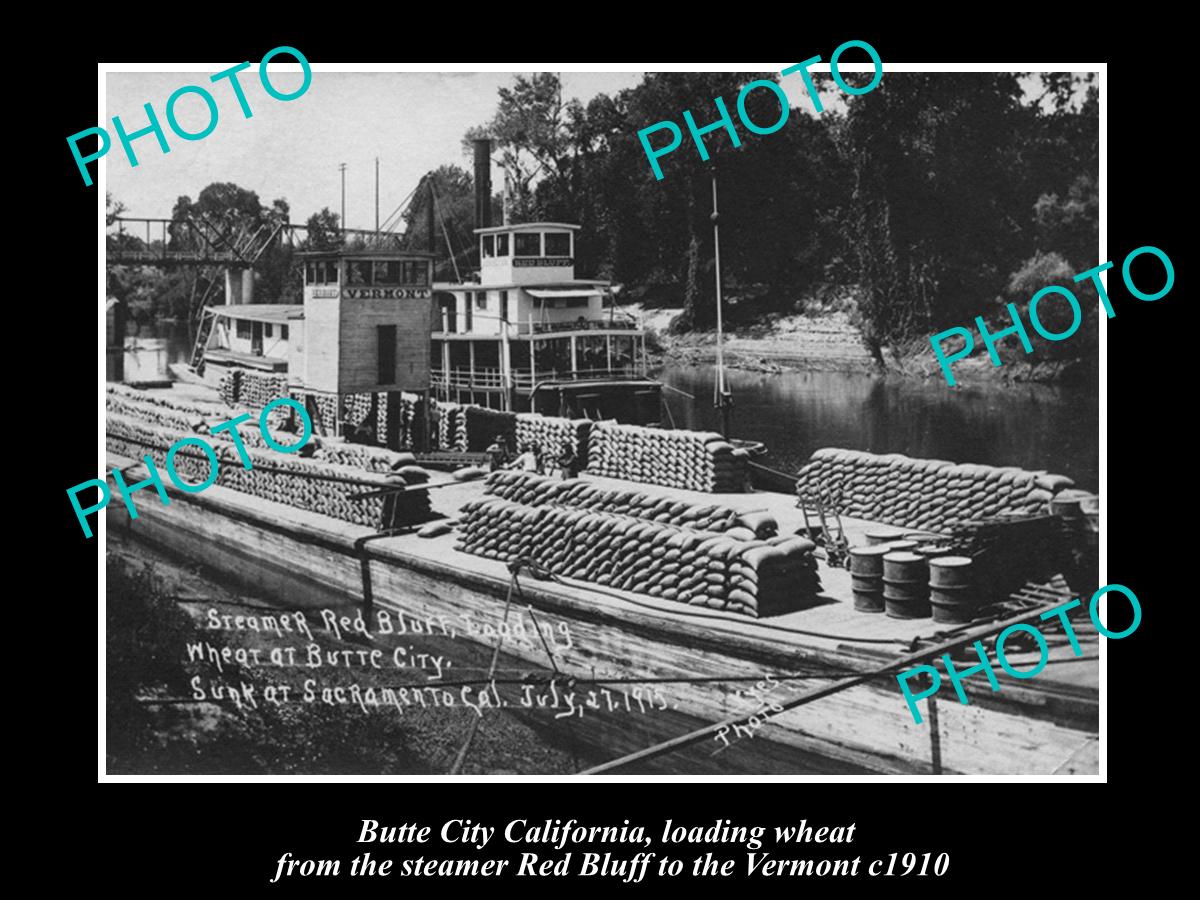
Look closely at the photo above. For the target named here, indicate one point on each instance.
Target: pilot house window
(489, 245)
(527, 244)
(558, 245)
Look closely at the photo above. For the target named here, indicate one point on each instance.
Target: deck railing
(522, 379)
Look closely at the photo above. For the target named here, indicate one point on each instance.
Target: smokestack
(483, 183)
(429, 223)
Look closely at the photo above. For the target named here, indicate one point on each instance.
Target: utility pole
(723, 398)
(377, 196)
(342, 169)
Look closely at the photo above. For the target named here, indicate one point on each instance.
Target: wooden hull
(310, 561)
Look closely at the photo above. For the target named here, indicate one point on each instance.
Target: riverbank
(830, 342)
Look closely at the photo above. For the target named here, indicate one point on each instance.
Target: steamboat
(767, 625)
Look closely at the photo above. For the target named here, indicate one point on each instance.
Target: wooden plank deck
(1044, 725)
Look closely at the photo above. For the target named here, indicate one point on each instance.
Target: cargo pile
(925, 493)
(310, 485)
(550, 433)
(181, 418)
(688, 460)
(477, 426)
(253, 390)
(718, 571)
(362, 456)
(446, 425)
(531, 490)
(229, 386)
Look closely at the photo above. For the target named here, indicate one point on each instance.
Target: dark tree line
(930, 200)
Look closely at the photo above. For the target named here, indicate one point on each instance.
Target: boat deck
(1045, 724)
(832, 625)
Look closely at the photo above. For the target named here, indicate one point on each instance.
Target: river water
(1033, 426)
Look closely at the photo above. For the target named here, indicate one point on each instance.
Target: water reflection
(152, 349)
(1033, 426)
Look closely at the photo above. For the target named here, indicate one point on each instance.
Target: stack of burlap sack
(930, 494)
(529, 488)
(700, 568)
(136, 427)
(551, 433)
(689, 460)
(702, 555)
(229, 386)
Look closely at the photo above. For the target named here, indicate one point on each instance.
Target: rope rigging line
(462, 753)
(437, 208)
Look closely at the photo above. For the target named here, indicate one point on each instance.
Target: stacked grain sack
(931, 494)
(362, 456)
(160, 411)
(446, 417)
(689, 460)
(257, 389)
(357, 408)
(229, 386)
(406, 414)
(551, 432)
(719, 571)
(531, 489)
(277, 477)
(477, 427)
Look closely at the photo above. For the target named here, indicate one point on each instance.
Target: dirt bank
(831, 342)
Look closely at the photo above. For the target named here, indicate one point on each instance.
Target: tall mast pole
(377, 196)
(722, 398)
(342, 169)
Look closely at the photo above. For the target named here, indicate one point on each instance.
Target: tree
(323, 231)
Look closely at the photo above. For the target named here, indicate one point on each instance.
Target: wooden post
(446, 369)
(392, 430)
(574, 363)
(608, 351)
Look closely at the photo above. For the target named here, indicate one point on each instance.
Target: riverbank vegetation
(931, 200)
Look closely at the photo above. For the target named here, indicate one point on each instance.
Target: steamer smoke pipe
(722, 398)
(483, 182)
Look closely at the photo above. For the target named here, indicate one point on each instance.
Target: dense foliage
(932, 199)
(928, 201)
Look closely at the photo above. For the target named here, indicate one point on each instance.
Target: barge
(700, 661)
(724, 665)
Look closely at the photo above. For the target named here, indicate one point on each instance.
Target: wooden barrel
(867, 560)
(950, 571)
(868, 584)
(906, 585)
(869, 601)
(933, 551)
(905, 607)
(903, 544)
(904, 565)
(953, 605)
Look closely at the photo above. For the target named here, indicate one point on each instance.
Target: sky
(413, 121)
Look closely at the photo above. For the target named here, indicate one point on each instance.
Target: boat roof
(526, 225)
(572, 284)
(260, 312)
(372, 252)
